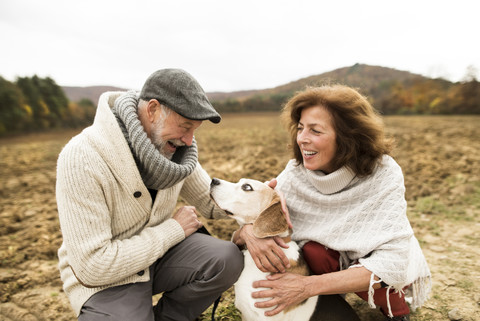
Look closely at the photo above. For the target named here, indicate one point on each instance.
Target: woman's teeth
(308, 153)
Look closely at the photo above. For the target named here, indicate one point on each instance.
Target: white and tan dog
(253, 202)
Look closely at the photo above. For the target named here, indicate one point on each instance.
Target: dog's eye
(247, 187)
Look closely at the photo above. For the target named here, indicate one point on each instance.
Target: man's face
(168, 131)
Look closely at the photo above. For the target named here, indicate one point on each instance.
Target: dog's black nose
(215, 182)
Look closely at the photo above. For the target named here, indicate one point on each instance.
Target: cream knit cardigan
(364, 219)
(111, 230)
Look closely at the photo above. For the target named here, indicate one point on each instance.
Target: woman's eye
(247, 187)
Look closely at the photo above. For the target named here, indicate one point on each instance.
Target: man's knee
(229, 261)
(124, 302)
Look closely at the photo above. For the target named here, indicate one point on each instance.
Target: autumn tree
(46, 99)
(15, 114)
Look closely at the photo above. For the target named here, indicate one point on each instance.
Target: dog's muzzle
(213, 183)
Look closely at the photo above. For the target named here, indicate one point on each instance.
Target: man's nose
(187, 139)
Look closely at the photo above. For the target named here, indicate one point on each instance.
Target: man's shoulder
(78, 145)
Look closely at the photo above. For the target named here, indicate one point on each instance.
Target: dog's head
(250, 201)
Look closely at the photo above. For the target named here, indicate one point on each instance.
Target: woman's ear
(271, 221)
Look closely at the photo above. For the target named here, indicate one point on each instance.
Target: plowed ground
(440, 157)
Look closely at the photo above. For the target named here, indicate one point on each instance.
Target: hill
(364, 77)
(361, 76)
(391, 91)
(92, 92)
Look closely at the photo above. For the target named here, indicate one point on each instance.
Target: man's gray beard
(160, 144)
(157, 140)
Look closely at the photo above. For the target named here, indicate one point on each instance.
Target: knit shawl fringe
(416, 294)
(157, 171)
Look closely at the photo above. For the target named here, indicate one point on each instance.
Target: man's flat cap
(179, 91)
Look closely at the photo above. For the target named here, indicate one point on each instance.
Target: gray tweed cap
(179, 91)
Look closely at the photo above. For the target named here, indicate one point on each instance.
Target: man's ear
(271, 221)
(153, 107)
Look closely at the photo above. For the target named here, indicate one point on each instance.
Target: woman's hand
(272, 184)
(284, 289)
(267, 253)
(287, 289)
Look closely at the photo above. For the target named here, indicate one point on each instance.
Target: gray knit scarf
(157, 171)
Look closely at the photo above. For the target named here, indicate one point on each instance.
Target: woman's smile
(316, 139)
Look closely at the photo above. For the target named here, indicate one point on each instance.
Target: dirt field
(440, 157)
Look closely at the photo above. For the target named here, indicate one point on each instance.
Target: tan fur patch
(271, 221)
(298, 268)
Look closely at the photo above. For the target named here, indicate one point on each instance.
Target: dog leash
(204, 230)
(215, 305)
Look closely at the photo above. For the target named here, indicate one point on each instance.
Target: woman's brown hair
(360, 136)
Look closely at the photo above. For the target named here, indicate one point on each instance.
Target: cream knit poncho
(364, 219)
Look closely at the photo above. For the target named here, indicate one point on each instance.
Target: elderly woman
(345, 196)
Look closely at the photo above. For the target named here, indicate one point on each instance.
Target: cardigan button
(141, 273)
(137, 194)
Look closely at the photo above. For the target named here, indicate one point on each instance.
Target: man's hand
(187, 217)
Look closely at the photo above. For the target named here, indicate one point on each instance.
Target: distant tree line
(431, 97)
(33, 104)
(414, 97)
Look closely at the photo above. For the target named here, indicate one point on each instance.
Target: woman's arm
(287, 289)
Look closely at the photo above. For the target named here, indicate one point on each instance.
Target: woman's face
(316, 139)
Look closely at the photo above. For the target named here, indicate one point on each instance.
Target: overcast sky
(233, 45)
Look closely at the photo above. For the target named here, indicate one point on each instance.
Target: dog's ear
(271, 221)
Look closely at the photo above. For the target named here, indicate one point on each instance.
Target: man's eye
(247, 187)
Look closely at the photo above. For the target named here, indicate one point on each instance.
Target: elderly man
(117, 187)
